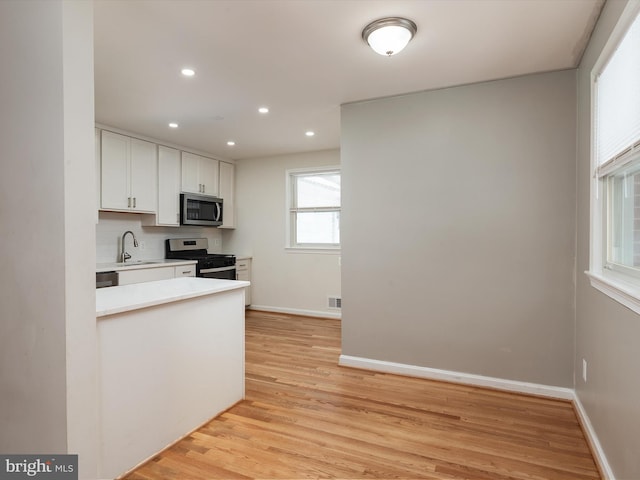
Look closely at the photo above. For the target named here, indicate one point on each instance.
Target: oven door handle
(219, 269)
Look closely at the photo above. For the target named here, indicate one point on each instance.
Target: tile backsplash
(112, 225)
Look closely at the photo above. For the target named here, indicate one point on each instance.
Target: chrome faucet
(124, 256)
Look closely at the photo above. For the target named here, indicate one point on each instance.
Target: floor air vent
(335, 302)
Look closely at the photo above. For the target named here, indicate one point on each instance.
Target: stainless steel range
(210, 265)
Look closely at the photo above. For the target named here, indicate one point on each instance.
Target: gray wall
(607, 333)
(458, 228)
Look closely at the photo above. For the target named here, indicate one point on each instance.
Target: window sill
(322, 251)
(617, 288)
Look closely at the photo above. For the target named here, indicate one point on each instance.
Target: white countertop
(125, 298)
(137, 264)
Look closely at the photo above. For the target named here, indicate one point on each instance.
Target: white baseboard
(296, 311)
(458, 377)
(593, 439)
(490, 382)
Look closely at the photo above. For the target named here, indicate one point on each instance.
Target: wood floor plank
(306, 417)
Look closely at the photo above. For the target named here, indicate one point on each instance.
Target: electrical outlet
(142, 245)
(216, 242)
(584, 370)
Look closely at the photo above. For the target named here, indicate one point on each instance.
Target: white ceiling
(303, 59)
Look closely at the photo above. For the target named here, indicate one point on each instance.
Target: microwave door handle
(218, 211)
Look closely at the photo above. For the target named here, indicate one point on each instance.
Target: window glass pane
(618, 102)
(624, 211)
(318, 190)
(318, 227)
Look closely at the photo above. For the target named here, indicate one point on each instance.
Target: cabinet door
(226, 192)
(243, 272)
(190, 181)
(168, 186)
(208, 175)
(144, 176)
(114, 171)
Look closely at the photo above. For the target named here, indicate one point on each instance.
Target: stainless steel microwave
(203, 210)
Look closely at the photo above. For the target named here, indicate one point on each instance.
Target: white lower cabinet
(243, 272)
(185, 271)
(140, 275)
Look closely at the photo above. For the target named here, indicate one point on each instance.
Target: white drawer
(242, 265)
(185, 271)
(126, 277)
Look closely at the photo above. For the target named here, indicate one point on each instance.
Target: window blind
(618, 104)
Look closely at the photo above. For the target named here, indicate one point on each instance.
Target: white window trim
(625, 289)
(320, 249)
(314, 250)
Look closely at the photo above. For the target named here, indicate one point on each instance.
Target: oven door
(225, 273)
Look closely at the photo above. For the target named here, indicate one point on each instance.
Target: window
(314, 208)
(615, 236)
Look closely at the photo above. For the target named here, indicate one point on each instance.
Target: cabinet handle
(134, 202)
(185, 272)
(128, 202)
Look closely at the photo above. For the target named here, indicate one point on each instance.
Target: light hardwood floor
(306, 417)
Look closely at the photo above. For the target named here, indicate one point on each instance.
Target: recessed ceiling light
(310, 133)
(263, 110)
(231, 143)
(173, 125)
(188, 72)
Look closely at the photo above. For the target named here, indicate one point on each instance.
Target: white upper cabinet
(190, 179)
(138, 176)
(226, 192)
(114, 171)
(144, 183)
(168, 186)
(128, 174)
(199, 174)
(209, 176)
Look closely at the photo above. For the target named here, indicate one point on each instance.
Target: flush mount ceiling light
(388, 36)
(188, 72)
(173, 125)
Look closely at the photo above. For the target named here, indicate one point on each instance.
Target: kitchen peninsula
(171, 356)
